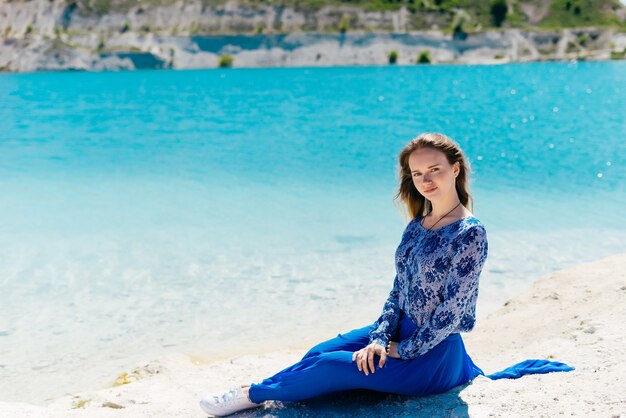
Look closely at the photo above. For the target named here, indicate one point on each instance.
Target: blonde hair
(415, 203)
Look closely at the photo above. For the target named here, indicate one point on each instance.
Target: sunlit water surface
(241, 211)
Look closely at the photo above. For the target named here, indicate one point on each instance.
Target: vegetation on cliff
(424, 14)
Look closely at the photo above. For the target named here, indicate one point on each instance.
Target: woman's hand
(365, 357)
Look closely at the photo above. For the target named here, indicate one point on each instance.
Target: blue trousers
(328, 367)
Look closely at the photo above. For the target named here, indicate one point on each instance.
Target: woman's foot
(246, 390)
(228, 402)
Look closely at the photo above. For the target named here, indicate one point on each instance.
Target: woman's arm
(461, 294)
(387, 323)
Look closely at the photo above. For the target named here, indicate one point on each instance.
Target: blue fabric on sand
(432, 300)
(532, 366)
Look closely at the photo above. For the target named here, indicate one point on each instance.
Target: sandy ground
(576, 316)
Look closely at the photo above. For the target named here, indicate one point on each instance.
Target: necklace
(431, 228)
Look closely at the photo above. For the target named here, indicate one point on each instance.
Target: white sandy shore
(576, 316)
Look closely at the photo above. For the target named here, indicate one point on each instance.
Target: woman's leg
(435, 372)
(349, 341)
(358, 338)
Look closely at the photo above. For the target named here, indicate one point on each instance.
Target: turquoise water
(147, 213)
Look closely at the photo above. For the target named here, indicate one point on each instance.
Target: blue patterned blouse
(436, 284)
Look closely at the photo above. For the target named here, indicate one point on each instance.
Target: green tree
(459, 23)
(393, 57)
(424, 57)
(225, 61)
(498, 11)
(345, 23)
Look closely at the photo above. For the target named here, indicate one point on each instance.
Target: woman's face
(432, 175)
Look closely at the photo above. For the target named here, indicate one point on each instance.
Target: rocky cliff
(98, 34)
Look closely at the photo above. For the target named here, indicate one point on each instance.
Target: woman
(414, 347)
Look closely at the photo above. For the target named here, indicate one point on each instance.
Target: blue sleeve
(386, 324)
(458, 308)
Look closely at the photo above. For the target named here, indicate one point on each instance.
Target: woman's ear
(456, 168)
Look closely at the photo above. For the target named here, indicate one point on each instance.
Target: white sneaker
(225, 403)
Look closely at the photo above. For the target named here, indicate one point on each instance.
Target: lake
(221, 212)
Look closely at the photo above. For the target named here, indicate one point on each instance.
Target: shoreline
(140, 51)
(574, 316)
